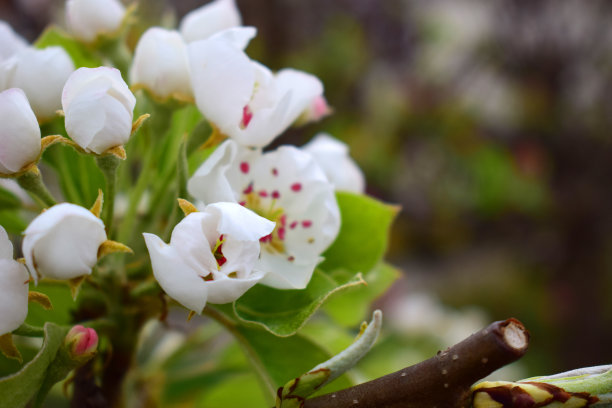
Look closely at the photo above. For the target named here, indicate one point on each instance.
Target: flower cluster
(264, 217)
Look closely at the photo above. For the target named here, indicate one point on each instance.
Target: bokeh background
(489, 122)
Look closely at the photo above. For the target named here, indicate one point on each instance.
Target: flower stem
(32, 181)
(108, 165)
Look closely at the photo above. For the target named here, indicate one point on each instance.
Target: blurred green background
(489, 122)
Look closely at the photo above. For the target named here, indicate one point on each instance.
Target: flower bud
(89, 19)
(10, 41)
(160, 64)
(41, 74)
(99, 108)
(210, 19)
(82, 342)
(63, 242)
(13, 288)
(19, 132)
(333, 157)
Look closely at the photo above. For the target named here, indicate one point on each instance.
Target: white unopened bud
(13, 288)
(160, 64)
(19, 132)
(41, 74)
(89, 19)
(63, 242)
(210, 19)
(99, 108)
(10, 41)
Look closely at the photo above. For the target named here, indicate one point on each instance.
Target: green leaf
(80, 55)
(363, 236)
(12, 221)
(349, 309)
(17, 389)
(8, 200)
(283, 312)
(279, 359)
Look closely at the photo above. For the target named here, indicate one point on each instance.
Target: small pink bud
(82, 341)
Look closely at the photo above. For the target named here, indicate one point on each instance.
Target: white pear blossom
(19, 132)
(14, 281)
(243, 98)
(160, 64)
(10, 41)
(63, 242)
(211, 255)
(41, 74)
(209, 19)
(99, 108)
(89, 19)
(286, 186)
(333, 157)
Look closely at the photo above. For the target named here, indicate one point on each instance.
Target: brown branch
(443, 381)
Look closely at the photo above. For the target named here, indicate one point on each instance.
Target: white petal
(241, 257)
(160, 63)
(239, 222)
(304, 88)
(178, 280)
(284, 274)
(225, 290)
(13, 295)
(19, 131)
(87, 19)
(105, 79)
(63, 242)
(10, 41)
(332, 155)
(193, 239)
(223, 80)
(239, 37)
(6, 246)
(209, 19)
(41, 74)
(210, 182)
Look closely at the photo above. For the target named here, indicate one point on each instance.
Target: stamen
(247, 115)
(306, 224)
(296, 187)
(244, 167)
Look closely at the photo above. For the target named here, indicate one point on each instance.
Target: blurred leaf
(364, 233)
(81, 56)
(16, 390)
(59, 294)
(235, 391)
(12, 221)
(8, 200)
(283, 312)
(284, 358)
(80, 178)
(353, 306)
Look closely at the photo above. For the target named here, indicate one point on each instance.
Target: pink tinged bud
(82, 341)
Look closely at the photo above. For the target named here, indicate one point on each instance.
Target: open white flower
(99, 108)
(243, 98)
(333, 157)
(63, 242)
(210, 19)
(89, 19)
(211, 255)
(10, 41)
(286, 186)
(14, 281)
(160, 64)
(19, 132)
(41, 74)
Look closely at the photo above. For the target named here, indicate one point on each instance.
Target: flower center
(218, 252)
